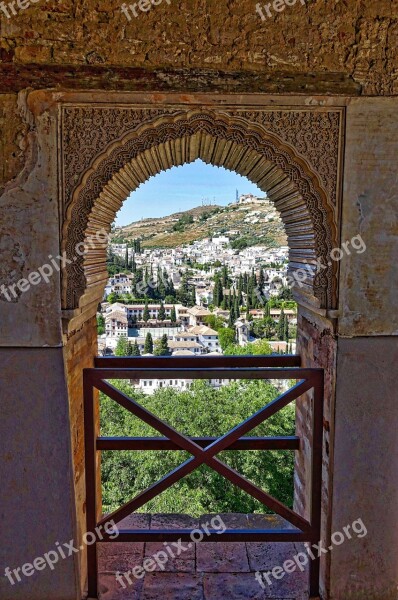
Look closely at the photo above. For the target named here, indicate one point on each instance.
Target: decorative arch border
(218, 139)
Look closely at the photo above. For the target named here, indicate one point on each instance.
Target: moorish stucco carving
(108, 152)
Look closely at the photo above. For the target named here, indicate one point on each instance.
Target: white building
(197, 314)
(116, 324)
(207, 337)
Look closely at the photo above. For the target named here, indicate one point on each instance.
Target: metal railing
(204, 450)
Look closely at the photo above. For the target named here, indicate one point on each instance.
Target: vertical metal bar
(91, 482)
(316, 475)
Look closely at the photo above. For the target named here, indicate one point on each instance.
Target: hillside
(256, 223)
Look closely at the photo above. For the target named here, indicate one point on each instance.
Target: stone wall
(36, 495)
(317, 346)
(310, 47)
(370, 208)
(79, 351)
(13, 140)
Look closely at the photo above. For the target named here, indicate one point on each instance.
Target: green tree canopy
(200, 411)
(161, 346)
(162, 312)
(121, 346)
(254, 348)
(148, 346)
(146, 315)
(226, 337)
(135, 349)
(100, 324)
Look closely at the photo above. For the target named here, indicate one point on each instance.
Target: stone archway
(234, 142)
(108, 150)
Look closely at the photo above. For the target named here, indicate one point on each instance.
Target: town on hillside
(208, 296)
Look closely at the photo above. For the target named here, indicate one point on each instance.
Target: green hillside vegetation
(207, 221)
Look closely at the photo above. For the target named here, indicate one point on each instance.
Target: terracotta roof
(199, 311)
(176, 345)
(203, 330)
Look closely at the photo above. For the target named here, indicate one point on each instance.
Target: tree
(232, 317)
(240, 289)
(236, 308)
(162, 347)
(100, 324)
(183, 292)
(200, 411)
(286, 329)
(126, 258)
(259, 347)
(146, 315)
(173, 315)
(225, 279)
(214, 322)
(218, 294)
(281, 326)
(113, 297)
(162, 312)
(261, 281)
(148, 346)
(286, 294)
(135, 349)
(226, 337)
(129, 349)
(121, 346)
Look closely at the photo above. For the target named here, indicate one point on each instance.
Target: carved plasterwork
(291, 154)
(315, 135)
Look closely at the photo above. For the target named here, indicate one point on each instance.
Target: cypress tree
(281, 326)
(236, 308)
(148, 347)
(161, 346)
(286, 329)
(146, 315)
(162, 312)
(240, 289)
(218, 292)
(261, 280)
(135, 349)
(173, 315)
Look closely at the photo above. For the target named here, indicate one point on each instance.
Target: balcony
(228, 563)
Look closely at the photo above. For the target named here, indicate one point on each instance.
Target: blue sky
(182, 188)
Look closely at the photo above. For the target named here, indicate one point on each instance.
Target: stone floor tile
(231, 586)
(221, 557)
(264, 556)
(135, 521)
(110, 589)
(171, 521)
(183, 561)
(292, 585)
(268, 522)
(230, 520)
(172, 586)
(119, 556)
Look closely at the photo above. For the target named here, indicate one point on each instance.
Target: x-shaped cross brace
(207, 455)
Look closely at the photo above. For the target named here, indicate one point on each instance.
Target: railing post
(316, 476)
(91, 481)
